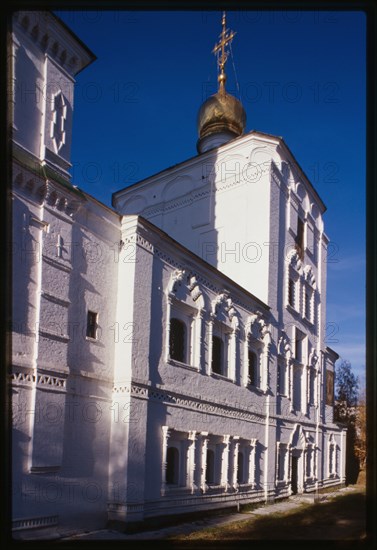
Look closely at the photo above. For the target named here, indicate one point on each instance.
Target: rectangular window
(281, 378)
(299, 346)
(312, 379)
(253, 368)
(281, 462)
(300, 238)
(91, 325)
(297, 383)
(307, 305)
(329, 387)
(291, 292)
(177, 343)
(217, 355)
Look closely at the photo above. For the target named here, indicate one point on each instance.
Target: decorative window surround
(257, 340)
(203, 448)
(225, 463)
(285, 351)
(236, 446)
(185, 303)
(252, 462)
(191, 465)
(166, 432)
(224, 323)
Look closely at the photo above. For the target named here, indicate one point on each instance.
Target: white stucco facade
(168, 355)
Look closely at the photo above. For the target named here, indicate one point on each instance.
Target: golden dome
(221, 117)
(221, 112)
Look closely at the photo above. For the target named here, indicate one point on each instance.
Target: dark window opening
(172, 466)
(311, 386)
(299, 346)
(281, 378)
(329, 387)
(240, 468)
(297, 375)
(280, 472)
(300, 238)
(177, 340)
(91, 324)
(291, 292)
(217, 354)
(253, 368)
(210, 467)
(307, 305)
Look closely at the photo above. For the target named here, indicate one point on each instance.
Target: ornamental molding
(257, 327)
(176, 279)
(294, 260)
(201, 280)
(190, 402)
(29, 378)
(139, 240)
(309, 275)
(284, 346)
(223, 303)
(314, 360)
(32, 523)
(42, 30)
(182, 283)
(47, 193)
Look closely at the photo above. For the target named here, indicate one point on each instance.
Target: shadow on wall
(352, 462)
(26, 254)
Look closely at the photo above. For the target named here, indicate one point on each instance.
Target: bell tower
(45, 58)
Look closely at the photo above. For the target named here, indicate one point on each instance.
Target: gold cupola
(222, 116)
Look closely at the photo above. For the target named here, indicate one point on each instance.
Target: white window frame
(223, 332)
(182, 313)
(282, 362)
(256, 347)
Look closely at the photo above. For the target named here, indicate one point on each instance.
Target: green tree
(346, 388)
(361, 439)
(345, 411)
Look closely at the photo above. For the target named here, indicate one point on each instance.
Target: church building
(168, 354)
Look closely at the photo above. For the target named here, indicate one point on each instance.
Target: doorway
(294, 473)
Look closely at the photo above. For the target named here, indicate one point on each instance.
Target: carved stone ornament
(294, 260)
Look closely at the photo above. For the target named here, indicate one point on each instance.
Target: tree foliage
(361, 439)
(346, 392)
(345, 411)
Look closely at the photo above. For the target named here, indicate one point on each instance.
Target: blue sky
(301, 76)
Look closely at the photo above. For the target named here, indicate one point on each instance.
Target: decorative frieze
(47, 193)
(189, 402)
(34, 523)
(27, 378)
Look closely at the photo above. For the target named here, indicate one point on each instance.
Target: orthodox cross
(226, 36)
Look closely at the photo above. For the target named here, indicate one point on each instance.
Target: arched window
(172, 466)
(240, 468)
(217, 354)
(177, 345)
(210, 468)
(253, 368)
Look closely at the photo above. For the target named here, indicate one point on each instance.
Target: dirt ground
(340, 517)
